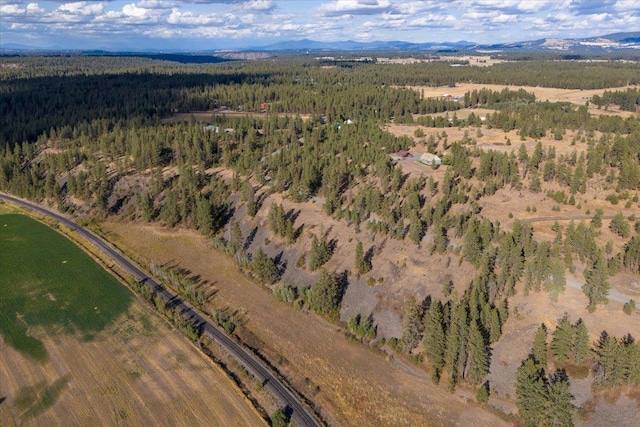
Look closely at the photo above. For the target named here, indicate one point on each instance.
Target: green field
(46, 281)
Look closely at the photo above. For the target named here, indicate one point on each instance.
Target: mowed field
(77, 348)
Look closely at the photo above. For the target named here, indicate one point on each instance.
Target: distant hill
(616, 42)
(625, 42)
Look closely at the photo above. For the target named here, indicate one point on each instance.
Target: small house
(430, 159)
(400, 155)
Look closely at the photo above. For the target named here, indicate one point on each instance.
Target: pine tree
(456, 338)
(324, 296)
(452, 348)
(478, 360)
(146, 207)
(320, 253)
(562, 340)
(558, 282)
(236, 238)
(607, 367)
(580, 342)
(361, 263)
(596, 287)
(415, 229)
(472, 244)
(620, 225)
(539, 346)
(434, 339)
(560, 410)
(531, 393)
(264, 267)
(412, 325)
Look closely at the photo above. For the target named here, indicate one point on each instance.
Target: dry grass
(136, 373)
(353, 384)
(574, 96)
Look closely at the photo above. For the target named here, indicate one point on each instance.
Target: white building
(430, 159)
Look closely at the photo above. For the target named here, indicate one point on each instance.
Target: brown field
(353, 384)
(138, 372)
(575, 96)
(478, 61)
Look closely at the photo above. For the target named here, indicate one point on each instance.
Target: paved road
(300, 416)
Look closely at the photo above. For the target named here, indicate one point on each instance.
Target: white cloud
(7, 10)
(355, 7)
(190, 19)
(156, 4)
(258, 6)
(434, 21)
(34, 8)
(80, 8)
(134, 11)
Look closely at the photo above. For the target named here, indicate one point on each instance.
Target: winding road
(285, 396)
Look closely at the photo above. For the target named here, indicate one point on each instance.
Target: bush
(613, 199)
(280, 418)
(629, 307)
(482, 395)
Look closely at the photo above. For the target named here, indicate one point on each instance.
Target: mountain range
(616, 42)
(626, 42)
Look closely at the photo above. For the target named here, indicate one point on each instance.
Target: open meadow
(78, 348)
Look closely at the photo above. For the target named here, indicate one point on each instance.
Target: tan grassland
(138, 372)
(574, 96)
(475, 60)
(354, 385)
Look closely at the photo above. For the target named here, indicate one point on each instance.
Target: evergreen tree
(324, 296)
(456, 338)
(279, 418)
(580, 342)
(558, 282)
(412, 325)
(415, 229)
(620, 225)
(478, 360)
(204, 219)
(146, 207)
(264, 267)
(607, 366)
(452, 348)
(363, 266)
(596, 286)
(562, 340)
(531, 393)
(560, 410)
(236, 238)
(539, 346)
(434, 339)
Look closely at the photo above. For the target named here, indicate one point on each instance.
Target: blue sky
(223, 24)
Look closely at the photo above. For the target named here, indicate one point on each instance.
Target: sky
(228, 24)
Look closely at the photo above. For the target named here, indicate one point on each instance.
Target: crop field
(77, 348)
(47, 281)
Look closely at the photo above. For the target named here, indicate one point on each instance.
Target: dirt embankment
(355, 385)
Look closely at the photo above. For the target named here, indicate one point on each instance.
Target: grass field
(47, 281)
(77, 348)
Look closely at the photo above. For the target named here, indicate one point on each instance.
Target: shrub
(629, 307)
(482, 395)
